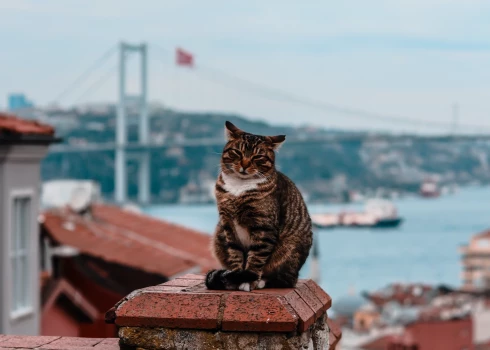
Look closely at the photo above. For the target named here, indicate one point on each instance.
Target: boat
(429, 189)
(378, 213)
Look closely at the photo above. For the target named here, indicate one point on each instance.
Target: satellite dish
(80, 199)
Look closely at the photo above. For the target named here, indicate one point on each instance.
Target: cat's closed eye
(260, 159)
(235, 153)
(232, 154)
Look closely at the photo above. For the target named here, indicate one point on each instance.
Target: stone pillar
(183, 314)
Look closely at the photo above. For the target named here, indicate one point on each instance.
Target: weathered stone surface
(315, 338)
(320, 334)
(147, 338)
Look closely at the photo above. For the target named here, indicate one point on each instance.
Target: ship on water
(378, 213)
(429, 189)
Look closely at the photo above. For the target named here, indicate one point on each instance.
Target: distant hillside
(323, 172)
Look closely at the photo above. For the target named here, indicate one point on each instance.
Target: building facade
(18, 101)
(23, 144)
(476, 262)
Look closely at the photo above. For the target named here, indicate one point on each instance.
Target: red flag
(183, 58)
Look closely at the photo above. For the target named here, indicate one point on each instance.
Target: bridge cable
(97, 84)
(99, 62)
(232, 81)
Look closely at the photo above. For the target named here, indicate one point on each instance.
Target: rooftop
(404, 294)
(485, 234)
(131, 239)
(11, 124)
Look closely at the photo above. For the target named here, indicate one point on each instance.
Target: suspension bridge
(140, 150)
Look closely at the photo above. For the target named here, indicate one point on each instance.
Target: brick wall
(183, 314)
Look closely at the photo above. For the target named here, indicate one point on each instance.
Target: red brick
(257, 312)
(313, 302)
(334, 328)
(18, 341)
(70, 341)
(186, 303)
(335, 334)
(164, 288)
(192, 276)
(202, 289)
(73, 343)
(274, 291)
(108, 344)
(172, 310)
(324, 298)
(181, 282)
(305, 313)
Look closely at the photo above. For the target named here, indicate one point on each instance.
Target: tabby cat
(264, 233)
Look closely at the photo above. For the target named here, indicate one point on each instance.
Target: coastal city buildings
(475, 258)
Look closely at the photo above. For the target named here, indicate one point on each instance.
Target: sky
(411, 59)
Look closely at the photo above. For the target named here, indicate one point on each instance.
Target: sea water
(423, 249)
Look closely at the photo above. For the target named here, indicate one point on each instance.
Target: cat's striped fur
(264, 233)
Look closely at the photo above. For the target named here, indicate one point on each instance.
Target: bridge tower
(120, 168)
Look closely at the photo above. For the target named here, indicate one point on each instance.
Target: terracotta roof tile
(484, 234)
(131, 239)
(62, 287)
(16, 125)
(380, 343)
(405, 294)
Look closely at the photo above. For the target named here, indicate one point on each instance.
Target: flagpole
(176, 79)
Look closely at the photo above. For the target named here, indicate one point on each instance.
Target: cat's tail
(215, 279)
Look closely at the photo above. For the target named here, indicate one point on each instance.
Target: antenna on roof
(80, 200)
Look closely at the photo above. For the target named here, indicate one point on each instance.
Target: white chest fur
(238, 186)
(242, 234)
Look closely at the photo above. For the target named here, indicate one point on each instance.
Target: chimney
(183, 314)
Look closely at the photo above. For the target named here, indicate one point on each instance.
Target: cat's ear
(231, 131)
(277, 141)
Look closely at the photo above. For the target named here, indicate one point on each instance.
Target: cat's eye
(260, 158)
(235, 152)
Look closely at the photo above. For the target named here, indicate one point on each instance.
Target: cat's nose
(244, 165)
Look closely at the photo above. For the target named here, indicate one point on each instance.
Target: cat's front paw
(246, 287)
(238, 277)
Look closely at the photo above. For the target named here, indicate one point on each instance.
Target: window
(21, 301)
